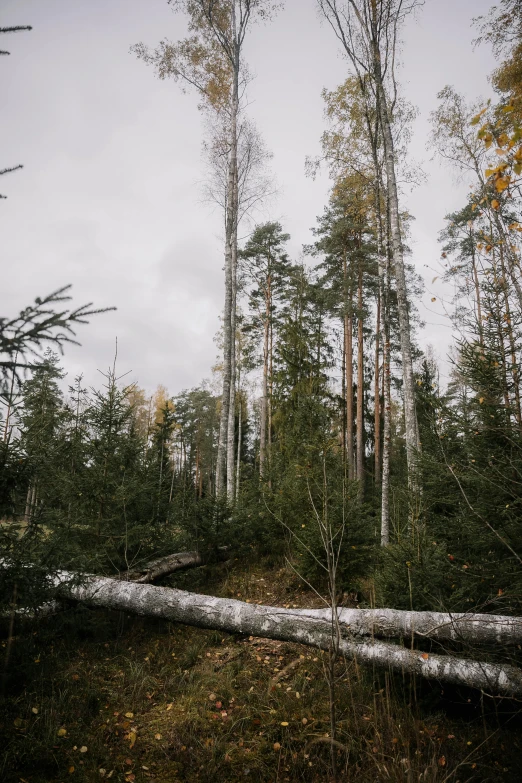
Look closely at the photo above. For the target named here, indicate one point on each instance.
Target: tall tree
(265, 266)
(368, 32)
(211, 61)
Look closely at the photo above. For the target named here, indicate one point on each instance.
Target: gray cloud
(109, 198)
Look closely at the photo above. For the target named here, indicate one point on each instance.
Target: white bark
(311, 627)
(225, 456)
(410, 415)
(386, 435)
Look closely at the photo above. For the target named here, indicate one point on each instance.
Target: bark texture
(164, 566)
(410, 415)
(181, 561)
(360, 385)
(313, 628)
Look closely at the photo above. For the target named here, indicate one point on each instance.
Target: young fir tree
(41, 422)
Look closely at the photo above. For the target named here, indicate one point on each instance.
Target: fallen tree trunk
(387, 623)
(163, 566)
(309, 627)
(461, 627)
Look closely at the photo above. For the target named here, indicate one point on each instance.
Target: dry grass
(93, 696)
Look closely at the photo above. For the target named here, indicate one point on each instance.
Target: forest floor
(96, 696)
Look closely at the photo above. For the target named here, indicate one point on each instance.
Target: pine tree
(266, 267)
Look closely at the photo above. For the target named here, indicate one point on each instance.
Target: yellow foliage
(502, 183)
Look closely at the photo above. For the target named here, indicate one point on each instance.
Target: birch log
(309, 627)
(169, 564)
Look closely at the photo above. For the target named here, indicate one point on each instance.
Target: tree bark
(231, 426)
(386, 434)
(413, 445)
(360, 386)
(313, 628)
(264, 398)
(511, 338)
(377, 397)
(164, 566)
(239, 438)
(348, 352)
(225, 457)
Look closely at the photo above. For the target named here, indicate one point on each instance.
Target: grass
(96, 696)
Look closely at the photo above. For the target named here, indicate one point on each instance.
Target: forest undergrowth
(90, 695)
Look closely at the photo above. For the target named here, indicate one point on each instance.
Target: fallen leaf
(61, 732)
(277, 746)
(157, 736)
(71, 770)
(129, 715)
(34, 710)
(132, 739)
(284, 723)
(83, 749)
(425, 656)
(442, 761)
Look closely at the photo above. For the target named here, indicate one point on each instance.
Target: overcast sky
(110, 195)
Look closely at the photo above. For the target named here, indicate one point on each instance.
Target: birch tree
(210, 60)
(368, 32)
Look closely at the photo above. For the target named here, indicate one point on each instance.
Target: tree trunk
(377, 393)
(477, 293)
(226, 425)
(231, 428)
(413, 445)
(313, 628)
(511, 338)
(500, 336)
(386, 382)
(163, 566)
(348, 352)
(269, 400)
(264, 398)
(239, 437)
(360, 386)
